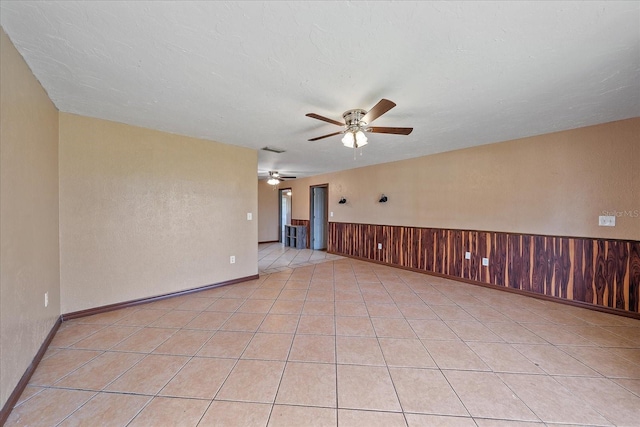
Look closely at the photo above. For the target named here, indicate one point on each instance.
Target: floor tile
(316, 325)
(235, 414)
(554, 361)
(501, 357)
(433, 330)
(106, 338)
(604, 361)
(515, 333)
(145, 340)
(366, 387)
(200, 378)
(170, 411)
(550, 401)
(313, 348)
(99, 372)
(454, 355)
(318, 308)
(472, 331)
(226, 344)
(208, 320)
(351, 306)
(426, 391)
(268, 347)
(149, 375)
(392, 328)
(409, 353)
(485, 395)
(69, 334)
(48, 408)
(279, 323)
(354, 326)
(107, 409)
(617, 405)
(252, 381)
(185, 342)
(247, 322)
(353, 418)
(61, 364)
(286, 416)
(175, 319)
(308, 384)
(256, 306)
(420, 420)
(226, 305)
(142, 317)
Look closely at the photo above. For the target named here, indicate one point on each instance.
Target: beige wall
(267, 212)
(144, 213)
(554, 184)
(29, 261)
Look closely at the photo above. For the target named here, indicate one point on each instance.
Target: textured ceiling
(245, 73)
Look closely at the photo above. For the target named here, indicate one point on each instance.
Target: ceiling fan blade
(287, 177)
(379, 109)
(397, 131)
(325, 136)
(324, 119)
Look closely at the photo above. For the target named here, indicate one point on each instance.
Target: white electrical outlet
(46, 299)
(249, 216)
(485, 262)
(606, 221)
(331, 215)
(467, 255)
(379, 245)
(232, 259)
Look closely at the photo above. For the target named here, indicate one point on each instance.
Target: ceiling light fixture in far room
(275, 178)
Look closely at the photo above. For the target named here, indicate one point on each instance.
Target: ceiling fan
(356, 123)
(275, 178)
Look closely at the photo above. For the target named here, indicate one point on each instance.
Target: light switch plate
(379, 245)
(467, 255)
(485, 262)
(249, 216)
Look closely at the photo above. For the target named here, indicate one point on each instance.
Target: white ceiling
(245, 73)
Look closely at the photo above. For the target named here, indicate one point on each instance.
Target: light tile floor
(344, 343)
(275, 258)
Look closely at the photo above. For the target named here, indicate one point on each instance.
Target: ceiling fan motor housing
(353, 118)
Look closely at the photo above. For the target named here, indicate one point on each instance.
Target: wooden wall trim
(596, 273)
(19, 389)
(132, 303)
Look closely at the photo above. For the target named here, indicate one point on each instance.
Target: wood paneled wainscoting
(306, 223)
(601, 273)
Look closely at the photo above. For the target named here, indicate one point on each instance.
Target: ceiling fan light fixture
(348, 140)
(361, 139)
(273, 181)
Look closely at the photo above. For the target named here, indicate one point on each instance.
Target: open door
(285, 211)
(319, 206)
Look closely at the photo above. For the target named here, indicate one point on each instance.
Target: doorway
(319, 207)
(284, 216)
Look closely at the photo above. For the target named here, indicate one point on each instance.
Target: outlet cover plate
(606, 221)
(485, 262)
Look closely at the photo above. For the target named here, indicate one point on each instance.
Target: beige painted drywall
(267, 212)
(29, 257)
(554, 184)
(145, 213)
